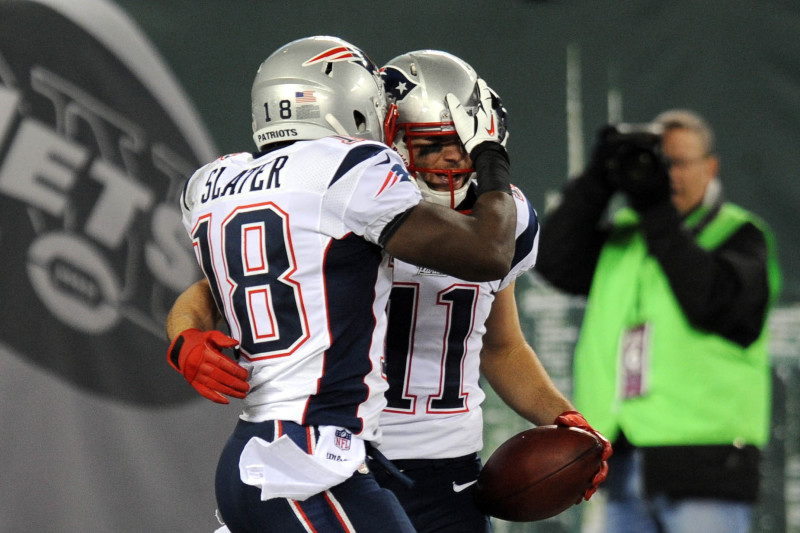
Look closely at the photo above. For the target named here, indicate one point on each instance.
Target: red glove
(575, 420)
(196, 354)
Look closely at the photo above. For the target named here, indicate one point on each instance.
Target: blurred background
(107, 107)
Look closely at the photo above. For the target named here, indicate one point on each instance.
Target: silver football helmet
(315, 87)
(416, 85)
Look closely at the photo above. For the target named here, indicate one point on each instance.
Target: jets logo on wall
(96, 141)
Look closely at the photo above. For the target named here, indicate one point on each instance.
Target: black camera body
(633, 153)
(650, 131)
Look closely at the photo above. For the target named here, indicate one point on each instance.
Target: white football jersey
(288, 241)
(433, 345)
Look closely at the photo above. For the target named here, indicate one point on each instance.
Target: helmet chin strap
(450, 198)
(336, 125)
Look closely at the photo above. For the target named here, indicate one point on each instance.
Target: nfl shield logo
(342, 439)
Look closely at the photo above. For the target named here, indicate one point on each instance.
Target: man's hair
(689, 120)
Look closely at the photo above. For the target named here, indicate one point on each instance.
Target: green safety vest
(701, 387)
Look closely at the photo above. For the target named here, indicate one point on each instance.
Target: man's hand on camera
(602, 152)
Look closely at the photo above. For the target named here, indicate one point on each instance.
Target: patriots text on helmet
(269, 136)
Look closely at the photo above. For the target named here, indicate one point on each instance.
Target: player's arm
(515, 373)
(196, 349)
(573, 233)
(194, 308)
(512, 367)
(478, 246)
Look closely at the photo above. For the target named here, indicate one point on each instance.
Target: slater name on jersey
(255, 177)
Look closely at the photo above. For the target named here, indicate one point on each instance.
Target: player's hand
(197, 355)
(576, 420)
(485, 124)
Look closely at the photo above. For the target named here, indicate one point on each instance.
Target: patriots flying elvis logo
(343, 53)
(396, 82)
(397, 174)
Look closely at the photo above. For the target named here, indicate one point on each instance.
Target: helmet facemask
(418, 144)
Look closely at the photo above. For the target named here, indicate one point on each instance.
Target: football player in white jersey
(444, 331)
(290, 241)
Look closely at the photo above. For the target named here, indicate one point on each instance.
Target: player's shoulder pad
(348, 143)
(518, 195)
(195, 182)
(356, 152)
(227, 159)
(525, 208)
(527, 223)
(344, 146)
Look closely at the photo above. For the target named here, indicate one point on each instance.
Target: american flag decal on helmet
(302, 97)
(397, 174)
(342, 439)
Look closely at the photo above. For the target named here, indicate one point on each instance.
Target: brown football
(538, 473)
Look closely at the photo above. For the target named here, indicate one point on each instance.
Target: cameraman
(672, 361)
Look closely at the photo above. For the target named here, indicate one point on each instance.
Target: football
(538, 473)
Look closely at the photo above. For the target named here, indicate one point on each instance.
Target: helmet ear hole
(360, 121)
(328, 68)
